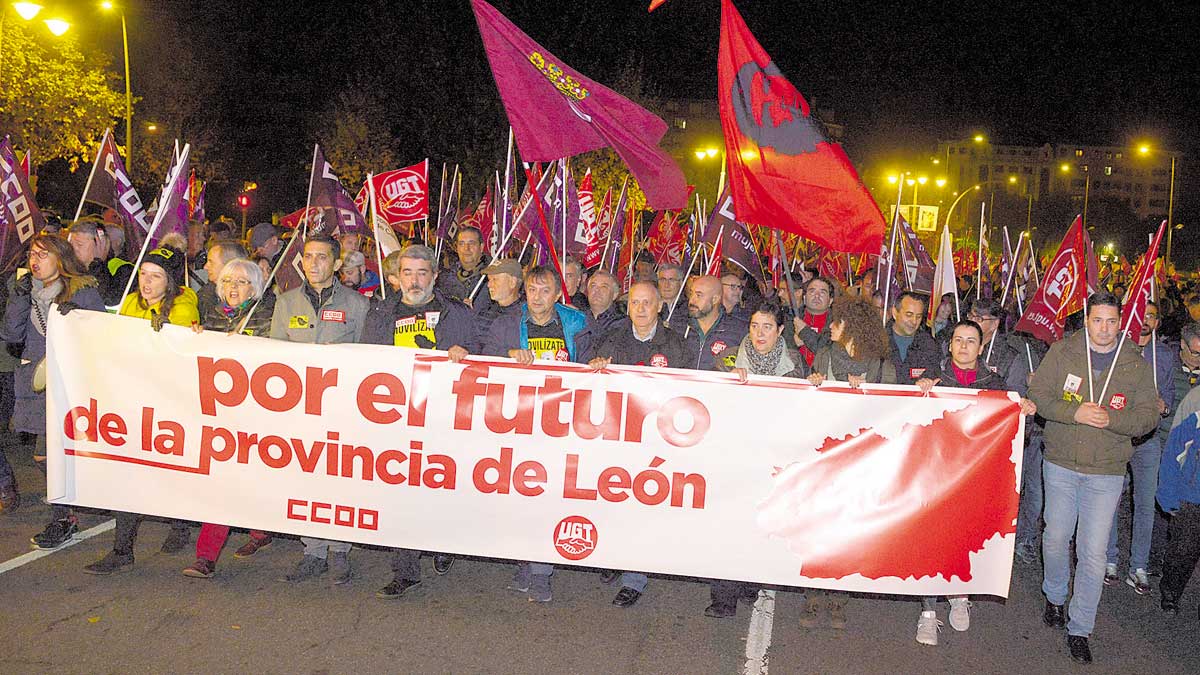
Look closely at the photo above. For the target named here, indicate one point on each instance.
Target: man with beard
(418, 317)
(710, 331)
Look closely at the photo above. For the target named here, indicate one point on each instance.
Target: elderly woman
(55, 276)
(239, 289)
(239, 286)
(761, 352)
(160, 297)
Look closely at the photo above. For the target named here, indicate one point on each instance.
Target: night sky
(897, 77)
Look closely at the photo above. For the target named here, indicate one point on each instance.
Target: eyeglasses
(236, 282)
(737, 286)
(977, 318)
(39, 254)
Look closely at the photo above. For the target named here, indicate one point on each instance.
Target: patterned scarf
(762, 364)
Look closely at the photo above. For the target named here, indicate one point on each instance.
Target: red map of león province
(912, 506)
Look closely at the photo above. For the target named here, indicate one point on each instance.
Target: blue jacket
(511, 331)
(1179, 470)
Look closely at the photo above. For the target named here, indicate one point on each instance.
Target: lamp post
(1144, 150)
(108, 6)
(950, 211)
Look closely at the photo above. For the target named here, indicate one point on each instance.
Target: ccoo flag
(109, 186)
(731, 238)
(20, 218)
(782, 170)
(556, 112)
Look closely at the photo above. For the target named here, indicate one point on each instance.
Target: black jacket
(924, 354)
(704, 352)
(456, 325)
(664, 350)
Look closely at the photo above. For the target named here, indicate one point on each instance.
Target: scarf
(231, 312)
(41, 296)
(762, 364)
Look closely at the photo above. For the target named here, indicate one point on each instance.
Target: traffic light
(244, 202)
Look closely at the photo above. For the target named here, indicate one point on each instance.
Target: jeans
(7, 479)
(633, 580)
(1081, 504)
(1144, 468)
(1183, 551)
(1029, 514)
(127, 529)
(320, 548)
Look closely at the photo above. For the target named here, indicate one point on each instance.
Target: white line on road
(27, 558)
(758, 638)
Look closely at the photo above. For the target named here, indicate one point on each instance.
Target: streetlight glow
(1066, 168)
(941, 182)
(106, 5)
(909, 181)
(1012, 180)
(711, 152)
(979, 138)
(923, 179)
(893, 178)
(1143, 149)
(700, 154)
(749, 155)
(57, 26)
(27, 10)
(152, 127)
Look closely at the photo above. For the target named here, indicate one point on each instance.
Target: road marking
(27, 558)
(758, 638)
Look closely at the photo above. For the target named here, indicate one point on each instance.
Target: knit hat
(170, 260)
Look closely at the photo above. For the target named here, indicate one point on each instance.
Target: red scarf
(817, 323)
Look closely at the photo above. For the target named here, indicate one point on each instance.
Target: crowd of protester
(1079, 455)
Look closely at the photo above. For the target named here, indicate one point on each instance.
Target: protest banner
(661, 470)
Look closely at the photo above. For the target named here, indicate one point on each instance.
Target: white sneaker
(928, 627)
(960, 613)
(1111, 575)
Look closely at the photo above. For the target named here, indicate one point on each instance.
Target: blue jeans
(634, 581)
(1029, 514)
(1144, 468)
(1079, 504)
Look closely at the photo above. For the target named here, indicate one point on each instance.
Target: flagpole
(613, 220)
(678, 293)
(508, 235)
(1154, 299)
(979, 254)
(523, 247)
(1011, 273)
(375, 231)
(507, 176)
(887, 286)
(1033, 261)
(158, 216)
(95, 164)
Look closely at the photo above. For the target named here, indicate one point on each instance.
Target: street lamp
(108, 6)
(27, 11)
(953, 204)
(1145, 150)
(1087, 187)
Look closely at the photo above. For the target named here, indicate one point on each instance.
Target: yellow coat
(184, 312)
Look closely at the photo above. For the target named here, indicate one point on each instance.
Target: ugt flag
(20, 218)
(782, 170)
(556, 112)
(1064, 288)
(1141, 290)
(402, 196)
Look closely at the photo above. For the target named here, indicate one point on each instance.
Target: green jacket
(1060, 386)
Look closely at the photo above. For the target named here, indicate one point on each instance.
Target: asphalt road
(54, 618)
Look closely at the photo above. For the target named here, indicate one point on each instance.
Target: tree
(356, 135)
(54, 100)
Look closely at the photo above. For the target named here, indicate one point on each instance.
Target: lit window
(1078, 152)
(1108, 171)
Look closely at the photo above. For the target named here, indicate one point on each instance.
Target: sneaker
(111, 562)
(1111, 576)
(56, 534)
(539, 589)
(719, 610)
(1026, 552)
(10, 500)
(339, 564)
(201, 569)
(442, 563)
(960, 614)
(520, 580)
(177, 540)
(928, 627)
(310, 566)
(812, 613)
(837, 615)
(1139, 581)
(396, 588)
(251, 547)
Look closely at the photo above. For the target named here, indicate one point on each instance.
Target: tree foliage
(55, 100)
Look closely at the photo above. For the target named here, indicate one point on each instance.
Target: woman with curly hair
(55, 276)
(858, 348)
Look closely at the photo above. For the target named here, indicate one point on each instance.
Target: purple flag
(736, 244)
(556, 112)
(20, 218)
(563, 202)
(172, 214)
(336, 213)
(916, 264)
(109, 186)
(448, 211)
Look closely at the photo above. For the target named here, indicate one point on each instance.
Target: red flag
(625, 262)
(655, 4)
(1142, 289)
(556, 112)
(604, 220)
(362, 199)
(714, 262)
(666, 238)
(782, 169)
(1063, 290)
(402, 196)
(831, 265)
(26, 166)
